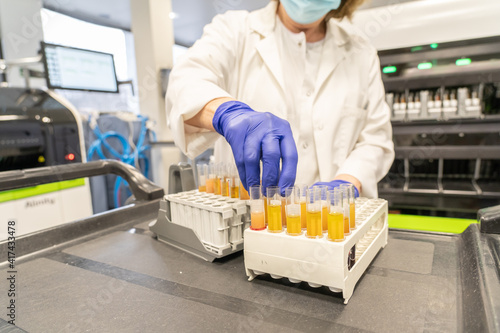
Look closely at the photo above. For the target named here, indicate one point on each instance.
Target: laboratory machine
(445, 102)
(442, 81)
(40, 129)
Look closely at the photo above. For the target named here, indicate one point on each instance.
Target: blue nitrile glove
(336, 183)
(254, 136)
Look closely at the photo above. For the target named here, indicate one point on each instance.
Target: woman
(316, 88)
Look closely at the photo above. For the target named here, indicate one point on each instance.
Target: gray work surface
(126, 281)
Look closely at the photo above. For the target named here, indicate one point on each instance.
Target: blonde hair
(346, 9)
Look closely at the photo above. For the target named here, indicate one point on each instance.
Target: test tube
(437, 99)
(324, 207)
(303, 216)
(202, 177)
(217, 183)
(430, 101)
(258, 221)
(345, 205)
(292, 199)
(335, 216)
(225, 181)
(313, 207)
(235, 182)
(411, 104)
(349, 190)
(283, 212)
(475, 98)
(265, 208)
(446, 99)
(210, 182)
(453, 98)
(274, 223)
(417, 101)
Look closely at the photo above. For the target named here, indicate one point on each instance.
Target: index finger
(289, 159)
(271, 154)
(240, 165)
(252, 155)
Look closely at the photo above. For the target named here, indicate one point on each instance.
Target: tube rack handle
(181, 178)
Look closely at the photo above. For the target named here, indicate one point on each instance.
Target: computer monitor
(78, 69)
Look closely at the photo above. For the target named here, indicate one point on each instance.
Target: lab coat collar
(263, 22)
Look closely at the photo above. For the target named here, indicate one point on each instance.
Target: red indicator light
(70, 157)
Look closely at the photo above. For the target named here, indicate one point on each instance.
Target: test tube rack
(206, 225)
(320, 262)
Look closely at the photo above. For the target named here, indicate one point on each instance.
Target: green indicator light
(416, 48)
(424, 65)
(389, 69)
(463, 62)
(434, 45)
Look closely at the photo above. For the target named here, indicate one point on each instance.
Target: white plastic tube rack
(206, 225)
(318, 261)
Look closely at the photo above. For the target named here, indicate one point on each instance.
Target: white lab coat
(237, 57)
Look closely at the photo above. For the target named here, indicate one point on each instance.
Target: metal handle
(142, 188)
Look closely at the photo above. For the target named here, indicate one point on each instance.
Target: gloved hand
(254, 136)
(336, 183)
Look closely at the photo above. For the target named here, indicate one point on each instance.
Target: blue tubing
(127, 156)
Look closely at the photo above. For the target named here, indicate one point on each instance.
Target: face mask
(308, 11)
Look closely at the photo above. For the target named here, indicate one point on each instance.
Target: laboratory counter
(108, 273)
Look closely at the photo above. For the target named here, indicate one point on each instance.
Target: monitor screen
(78, 69)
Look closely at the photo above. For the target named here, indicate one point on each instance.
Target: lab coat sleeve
(205, 73)
(373, 153)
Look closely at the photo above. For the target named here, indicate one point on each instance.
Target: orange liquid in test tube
(210, 185)
(293, 225)
(336, 227)
(235, 192)
(303, 215)
(347, 229)
(283, 213)
(258, 221)
(202, 170)
(274, 217)
(324, 218)
(352, 216)
(217, 186)
(243, 193)
(224, 187)
(314, 227)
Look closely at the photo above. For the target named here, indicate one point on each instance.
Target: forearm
(203, 119)
(353, 180)
(367, 163)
